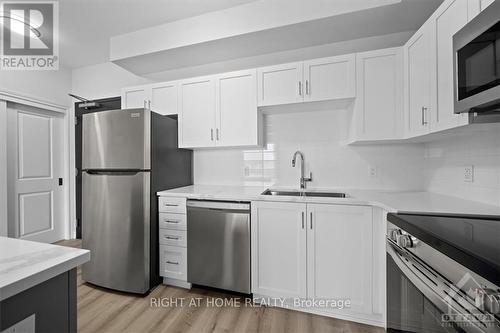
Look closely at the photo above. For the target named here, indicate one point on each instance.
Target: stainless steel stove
(443, 273)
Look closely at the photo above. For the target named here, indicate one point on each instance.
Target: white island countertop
(393, 201)
(24, 264)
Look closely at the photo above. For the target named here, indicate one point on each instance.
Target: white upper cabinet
(419, 81)
(338, 267)
(280, 84)
(159, 97)
(164, 97)
(378, 112)
(450, 17)
(312, 80)
(237, 117)
(485, 3)
(135, 97)
(477, 6)
(279, 249)
(197, 112)
(219, 111)
(329, 78)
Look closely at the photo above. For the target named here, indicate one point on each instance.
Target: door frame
(3, 170)
(68, 185)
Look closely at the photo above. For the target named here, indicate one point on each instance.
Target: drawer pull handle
(171, 205)
(172, 262)
(174, 238)
(171, 221)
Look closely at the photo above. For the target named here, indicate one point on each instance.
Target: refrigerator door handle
(113, 172)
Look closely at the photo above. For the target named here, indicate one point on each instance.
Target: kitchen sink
(305, 194)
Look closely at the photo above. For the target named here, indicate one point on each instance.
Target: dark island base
(53, 302)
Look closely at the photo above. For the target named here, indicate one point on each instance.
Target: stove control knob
(394, 234)
(405, 241)
(486, 300)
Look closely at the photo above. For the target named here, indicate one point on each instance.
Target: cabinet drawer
(173, 237)
(172, 221)
(173, 262)
(172, 205)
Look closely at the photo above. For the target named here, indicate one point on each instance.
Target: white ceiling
(87, 25)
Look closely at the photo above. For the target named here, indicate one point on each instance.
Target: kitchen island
(38, 286)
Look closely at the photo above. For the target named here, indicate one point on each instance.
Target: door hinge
(76, 120)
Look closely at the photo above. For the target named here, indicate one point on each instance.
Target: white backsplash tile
(321, 136)
(447, 158)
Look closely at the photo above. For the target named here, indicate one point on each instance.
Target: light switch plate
(469, 173)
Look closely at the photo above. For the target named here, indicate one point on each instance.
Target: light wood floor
(102, 310)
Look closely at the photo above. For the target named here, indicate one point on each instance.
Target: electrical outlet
(469, 173)
(373, 171)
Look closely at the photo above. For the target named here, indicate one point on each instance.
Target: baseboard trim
(177, 283)
(349, 317)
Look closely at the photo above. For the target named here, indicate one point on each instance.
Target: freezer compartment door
(116, 229)
(117, 139)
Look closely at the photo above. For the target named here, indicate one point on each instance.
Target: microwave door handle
(431, 293)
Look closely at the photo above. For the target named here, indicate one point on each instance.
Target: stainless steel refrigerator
(127, 156)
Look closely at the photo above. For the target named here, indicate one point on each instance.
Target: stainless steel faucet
(303, 180)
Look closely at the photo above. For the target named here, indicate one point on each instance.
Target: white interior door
(34, 166)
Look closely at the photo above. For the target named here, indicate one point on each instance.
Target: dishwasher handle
(221, 205)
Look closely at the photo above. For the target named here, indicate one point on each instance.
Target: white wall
(244, 19)
(50, 86)
(102, 80)
(445, 161)
(325, 50)
(321, 136)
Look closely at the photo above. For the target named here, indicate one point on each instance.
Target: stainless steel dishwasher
(218, 236)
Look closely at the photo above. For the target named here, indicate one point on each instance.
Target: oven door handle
(431, 290)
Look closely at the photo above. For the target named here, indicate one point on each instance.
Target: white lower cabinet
(278, 249)
(320, 252)
(173, 262)
(172, 236)
(339, 255)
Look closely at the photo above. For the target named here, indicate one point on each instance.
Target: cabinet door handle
(171, 221)
(307, 87)
(217, 134)
(212, 134)
(171, 205)
(170, 237)
(424, 111)
(172, 262)
(300, 88)
(302, 220)
(311, 219)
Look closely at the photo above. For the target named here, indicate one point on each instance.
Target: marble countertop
(24, 264)
(393, 201)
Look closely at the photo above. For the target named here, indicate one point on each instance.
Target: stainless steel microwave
(476, 49)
